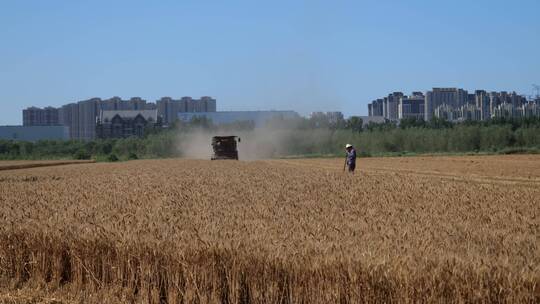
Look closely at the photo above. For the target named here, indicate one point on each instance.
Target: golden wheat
(407, 230)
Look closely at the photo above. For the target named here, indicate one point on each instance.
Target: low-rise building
(446, 112)
(507, 110)
(531, 109)
(126, 123)
(34, 133)
(469, 112)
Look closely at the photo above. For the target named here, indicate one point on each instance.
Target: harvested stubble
(181, 231)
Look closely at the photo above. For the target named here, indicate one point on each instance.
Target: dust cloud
(256, 144)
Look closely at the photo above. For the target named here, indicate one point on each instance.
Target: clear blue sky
(300, 55)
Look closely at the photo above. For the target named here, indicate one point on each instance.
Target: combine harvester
(225, 147)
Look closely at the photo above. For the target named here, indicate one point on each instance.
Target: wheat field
(400, 230)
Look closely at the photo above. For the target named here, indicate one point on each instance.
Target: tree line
(305, 136)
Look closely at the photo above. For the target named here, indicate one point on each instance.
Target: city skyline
(531, 96)
(304, 55)
(455, 104)
(81, 116)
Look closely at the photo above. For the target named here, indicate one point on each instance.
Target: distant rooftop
(107, 115)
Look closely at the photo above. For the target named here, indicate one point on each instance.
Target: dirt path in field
(370, 168)
(15, 165)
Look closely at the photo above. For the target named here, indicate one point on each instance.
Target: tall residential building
(150, 106)
(188, 104)
(385, 107)
(117, 104)
(69, 116)
(455, 104)
(88, 111)
(81, 117)
(482, 102)
(209, 104)
(517, 100)
(135, 103)
(437, 97)
(165, 109)
(494, 101)
(504, 97)
(501, 98)
(111, 104)
(40, 117)
(392, 108)
(411, 106)
(471, 99)
(169, 108)
(377, 107)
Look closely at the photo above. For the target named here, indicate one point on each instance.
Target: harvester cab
(225, 147)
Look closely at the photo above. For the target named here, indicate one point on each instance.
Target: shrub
(82, 154)
(112, 157)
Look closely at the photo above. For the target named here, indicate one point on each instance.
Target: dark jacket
(351, 157)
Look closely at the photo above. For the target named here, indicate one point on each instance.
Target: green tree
(354, 123)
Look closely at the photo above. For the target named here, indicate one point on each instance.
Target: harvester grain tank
(225, 147)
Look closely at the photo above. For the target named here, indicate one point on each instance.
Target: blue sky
(300, 55)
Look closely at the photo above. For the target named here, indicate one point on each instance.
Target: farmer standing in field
(350, 160)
